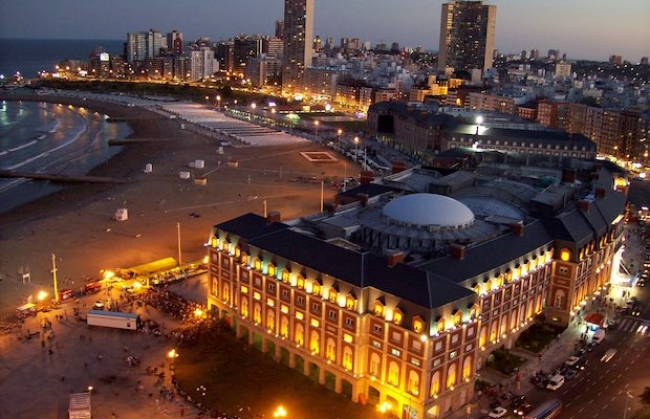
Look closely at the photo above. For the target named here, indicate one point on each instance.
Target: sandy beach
(77, 224)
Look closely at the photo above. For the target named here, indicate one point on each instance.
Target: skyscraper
(467, 35)
(298, 36)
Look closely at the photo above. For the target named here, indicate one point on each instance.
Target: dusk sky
(592, 29)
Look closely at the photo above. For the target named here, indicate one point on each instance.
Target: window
(395, 352)
(378, 309)
(285, 276)
(413, 386)
(330, 349)
(454, 339)
(300, 334)
(285, 294)
(418, 324)
(396, 336)
(397, 317)
(316, 290)
(377, 329)
(332, 295)
(393, 373)
(416, 345)
(270, 287)
(314, 342)
(271, 270)
(315, 308)
(257, 264)
(375, 362)
(332, 314)
(347, 358)
(300, 301)
(301, 282)
(438, 346)
(349, 302)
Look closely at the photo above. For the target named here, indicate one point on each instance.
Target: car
(570, 374)
(498, 412)
(518, 400)
(571, 361)
(98, 305)
(556, 382)
(523, 409)
(581, 365)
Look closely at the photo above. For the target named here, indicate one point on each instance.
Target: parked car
(523, 409)
(570, 374)
(571, 361)
(498, 412)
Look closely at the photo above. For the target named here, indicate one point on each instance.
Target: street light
(339, 132)
(218, 103)
(280, 412)
(316, 124)
(629, 396)
(356, 148)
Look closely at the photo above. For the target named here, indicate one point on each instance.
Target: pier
(61, 178)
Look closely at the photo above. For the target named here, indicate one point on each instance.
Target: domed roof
(424, 209)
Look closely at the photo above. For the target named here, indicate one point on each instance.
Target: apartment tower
(467, 35)
(298, 38)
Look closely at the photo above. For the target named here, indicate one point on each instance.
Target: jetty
(61, 178)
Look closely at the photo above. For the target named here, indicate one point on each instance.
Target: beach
(78, 226)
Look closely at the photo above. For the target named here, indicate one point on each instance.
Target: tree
(645, 396)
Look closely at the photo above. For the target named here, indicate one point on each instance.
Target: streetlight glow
(41, 295)
(280, 412)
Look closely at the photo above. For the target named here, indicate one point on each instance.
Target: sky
(584, 29)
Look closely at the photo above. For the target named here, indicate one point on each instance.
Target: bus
(548, 410)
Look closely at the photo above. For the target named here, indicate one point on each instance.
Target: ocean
(49, 138)
(29, 56)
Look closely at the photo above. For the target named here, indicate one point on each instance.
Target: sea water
(50, 138)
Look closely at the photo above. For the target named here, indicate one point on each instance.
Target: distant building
(615, 59)
(143, 45)
(562, 70)
(298, 38)
(202, 63)
(467, 30)
(175, 42)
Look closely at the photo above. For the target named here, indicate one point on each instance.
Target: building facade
(298, 34)
(467, 30)
(400, 290)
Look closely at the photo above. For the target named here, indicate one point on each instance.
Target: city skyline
(584, 29)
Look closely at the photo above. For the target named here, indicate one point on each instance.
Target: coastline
(77, 224)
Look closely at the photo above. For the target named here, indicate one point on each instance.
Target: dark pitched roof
(490, 254)
(250, 226)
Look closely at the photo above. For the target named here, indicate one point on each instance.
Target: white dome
(428, 210)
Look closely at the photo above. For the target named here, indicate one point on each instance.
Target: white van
(555, 382)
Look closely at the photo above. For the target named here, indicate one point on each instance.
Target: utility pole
(56, 284)
(178, 235)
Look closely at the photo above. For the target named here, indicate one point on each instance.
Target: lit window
(285, 276)
(314, 322)
(418, 325)
(332, 295)
(299, 315)
(258, 264)
(271, 270)
(397, 317)
(244, 289)
(349, 303)
(378, 308)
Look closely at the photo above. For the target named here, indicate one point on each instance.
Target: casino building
(399, 291)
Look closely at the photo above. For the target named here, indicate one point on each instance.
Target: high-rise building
(143, 45)
(175, 42)
(467, 35)
(297, 36)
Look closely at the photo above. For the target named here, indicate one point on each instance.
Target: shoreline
(78, 226)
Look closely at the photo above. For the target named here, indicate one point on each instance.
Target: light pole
(178, 239)
(628, 396)
(356, 148)
(218, 103)
(339, 132)
(206, 100)
(316, 124)
(56, 282)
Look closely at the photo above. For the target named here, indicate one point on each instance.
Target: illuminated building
(467, 31)
(399, 291)
(298, 37)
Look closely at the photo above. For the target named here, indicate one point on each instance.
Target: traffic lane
(602, 391)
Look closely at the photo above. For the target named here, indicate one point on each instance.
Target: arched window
(560, 299)
(314, 342)
(347, 358)
(284, 327)
(378, 308)
(467, 367)
(330, 350)
(451, 376)
(375, 363)
(418, 324)
(215, 286)
(226, 292)
(300, 334)
(483, 335)
(504, 324)
(457, 317)
(393, 373)
(494, 331)
(435, 384)
(349, 302)
(397, 316)
(413, 383)
(270, 321)
(257, 313)
(332, 295)
(244, 308)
